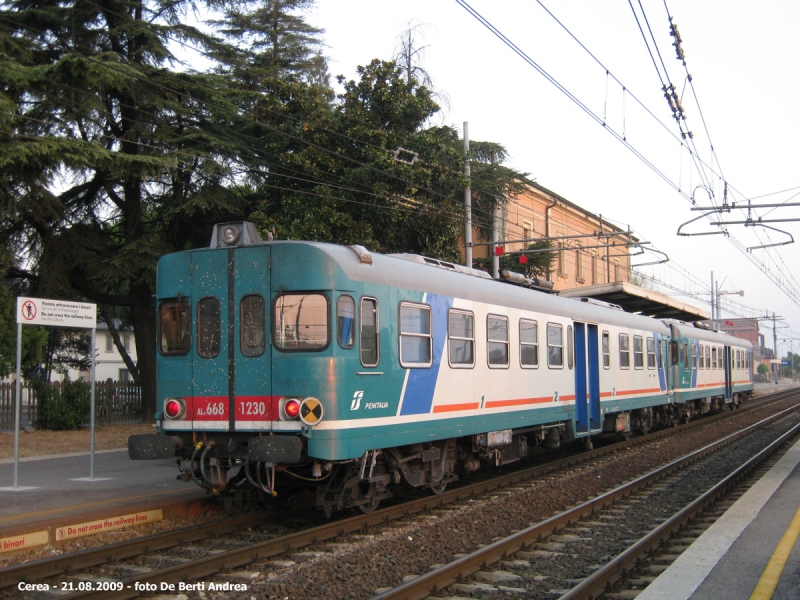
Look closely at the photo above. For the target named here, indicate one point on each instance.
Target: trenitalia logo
(356, 402)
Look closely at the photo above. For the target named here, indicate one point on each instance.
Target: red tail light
(291, 408)
(174, 408)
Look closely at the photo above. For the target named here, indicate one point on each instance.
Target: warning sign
(22, 542)
(311, 411)
(42, 311)
(81, 529)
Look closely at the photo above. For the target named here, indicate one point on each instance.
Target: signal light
(173, 408)
(292, 408)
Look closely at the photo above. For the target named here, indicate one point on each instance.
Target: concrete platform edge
(687, 573)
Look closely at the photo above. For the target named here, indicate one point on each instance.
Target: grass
(45, 443)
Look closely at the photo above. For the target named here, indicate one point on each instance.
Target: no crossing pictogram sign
(29, 310)
(62, 313)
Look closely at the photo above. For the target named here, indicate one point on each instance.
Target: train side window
(708, 357)
(528, 344)
(346, 321)
(208, 327)
(369, 332)
(461, 339)
(673, 351)
(497, 341)
(606, 350)
(570, 347)
(301, 322)
(651, 353)
(252, 317)
(693, 356)
(700, 356)
(714, 357)
(174, 333)
(555, 346)
(624, 351)
(638, 352)
(738, 359)
(416, 339)
(720, 361)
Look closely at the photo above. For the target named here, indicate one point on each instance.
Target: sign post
(59, 313)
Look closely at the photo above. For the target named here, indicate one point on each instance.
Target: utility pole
(495, 233)
(467, 201)
(775, 343)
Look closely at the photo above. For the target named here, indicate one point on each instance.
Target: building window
(124, 375)
(595, 274)
(369, 332)
(497, 340)
(346, 321)
(624, 352)
(461, 338)
(126, 342)
(555, 346)
(416, 340)
(527, 232)
(616, 270)
(528, 344)
(606, 350)
(579, 264)
(651, 353)
(253, 321)
(109, 342)
(562, 260)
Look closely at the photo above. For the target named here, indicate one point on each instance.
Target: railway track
(188, 554)
(643, 515)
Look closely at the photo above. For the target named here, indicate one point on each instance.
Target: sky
(740, 56)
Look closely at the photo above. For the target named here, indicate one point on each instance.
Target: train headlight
(230, 234)
(174, 408)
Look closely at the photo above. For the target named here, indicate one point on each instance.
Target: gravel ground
(356, 570)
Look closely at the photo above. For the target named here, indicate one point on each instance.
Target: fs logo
(356, 402)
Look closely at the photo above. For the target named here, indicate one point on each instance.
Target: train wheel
(439, 488)
(368, 508)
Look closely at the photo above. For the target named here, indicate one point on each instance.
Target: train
(352, 372)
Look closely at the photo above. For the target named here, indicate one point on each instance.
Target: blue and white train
(355, 371)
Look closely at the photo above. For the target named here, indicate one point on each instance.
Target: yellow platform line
(772, 574)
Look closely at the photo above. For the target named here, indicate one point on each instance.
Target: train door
(249, 352)
(587, 379)
(726, 366)
(664, 370)
(210, 384)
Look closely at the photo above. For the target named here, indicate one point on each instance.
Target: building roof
(634, 299)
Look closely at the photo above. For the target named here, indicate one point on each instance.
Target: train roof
(708, 335)
(447, 279)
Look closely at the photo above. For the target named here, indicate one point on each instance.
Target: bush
(64, 408)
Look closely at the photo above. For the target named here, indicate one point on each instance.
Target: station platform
(750, 552)
(53, 492)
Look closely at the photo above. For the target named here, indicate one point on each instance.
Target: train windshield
(174, 327)
(301, 322)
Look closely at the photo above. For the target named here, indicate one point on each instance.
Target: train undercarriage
(222, 464)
